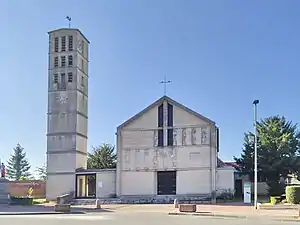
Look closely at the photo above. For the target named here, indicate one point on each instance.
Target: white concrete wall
(184, 119)
(61, 163)
(193, 157)
(105, 184)
(57, 185)
(62, 123)
(148, 120)
(193, 182)
(59, 143)
(225, 179)
(81, 143)
(81, 161)
(82, 103)
(139, 157)
(138, 183)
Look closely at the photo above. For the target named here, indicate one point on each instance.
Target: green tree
(18, 165)
(102, 157)
(41, 172)
(278, 146)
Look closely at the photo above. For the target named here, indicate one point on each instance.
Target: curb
(207, 215)
(274, 207)
(36, 213)
(287, 220)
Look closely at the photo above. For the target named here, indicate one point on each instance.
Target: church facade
(165, 150)
(169, 150)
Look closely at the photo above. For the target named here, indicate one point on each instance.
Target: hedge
(275, 200)
(293, 194)
(21, 200)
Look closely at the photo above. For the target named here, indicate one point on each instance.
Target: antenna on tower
(69, 19)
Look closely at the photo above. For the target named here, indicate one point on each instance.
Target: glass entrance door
(86, 185)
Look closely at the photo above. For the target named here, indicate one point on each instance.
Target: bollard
(98, 205)
(175, 203)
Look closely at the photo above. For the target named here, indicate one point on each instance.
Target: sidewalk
(240, 212)
(230, 211)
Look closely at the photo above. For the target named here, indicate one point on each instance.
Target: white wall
(182, 118)
(225, 179)
(193, 182)
(61, 163)
(105, 184)
(138, 183)
(193, 155)
(59, 184)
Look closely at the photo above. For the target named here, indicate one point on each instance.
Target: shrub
(293, 194)
(226, 194)
(275, 200)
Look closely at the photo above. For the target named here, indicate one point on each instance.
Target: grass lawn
(39, 201)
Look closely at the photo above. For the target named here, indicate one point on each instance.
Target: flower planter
(21, 200)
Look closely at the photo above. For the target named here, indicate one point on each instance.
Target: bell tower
(67, 117)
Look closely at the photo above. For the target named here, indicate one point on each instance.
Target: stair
(182, 199)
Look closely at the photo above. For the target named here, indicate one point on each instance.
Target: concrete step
(147, 200)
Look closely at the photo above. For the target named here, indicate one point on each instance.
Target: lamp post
(255, 103)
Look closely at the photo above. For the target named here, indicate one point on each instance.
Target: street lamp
(255, 103)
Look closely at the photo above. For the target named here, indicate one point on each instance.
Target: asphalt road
(130, 219)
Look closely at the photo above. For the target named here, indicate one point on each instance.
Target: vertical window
(170, 115)
(82, 81)
(63, 61)
(70, 39)
(63, 81)
(56, 61)
(70, 60)
(70, 77)
(63, 77)
(161, 115)
(63, 44)
(56, 44)
(82, 65)
(160, 125)
(218, 135)
(55, 78)
(170, 124)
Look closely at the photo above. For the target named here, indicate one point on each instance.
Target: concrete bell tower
(67, 109)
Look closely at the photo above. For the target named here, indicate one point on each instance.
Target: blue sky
(220, 56)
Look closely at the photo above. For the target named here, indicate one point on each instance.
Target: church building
(169, 150)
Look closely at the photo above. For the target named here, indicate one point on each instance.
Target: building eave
(74, 29)
(159, 101)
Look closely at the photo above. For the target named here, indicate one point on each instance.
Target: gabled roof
(158, 102)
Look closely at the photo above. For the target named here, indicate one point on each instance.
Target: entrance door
(166, 183)
(85, 185)
(238, 185)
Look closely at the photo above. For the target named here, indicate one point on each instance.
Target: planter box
(21, 201)
(187, 208)
(64, 208)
